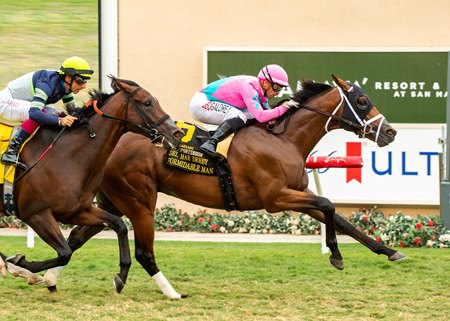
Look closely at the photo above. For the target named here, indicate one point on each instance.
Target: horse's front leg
(97, 217)
(18, 271)
(290, 199)
(78, 236)
(144, 239)
(329, 212)
(345, 227)
(3, 269)
(45, 225)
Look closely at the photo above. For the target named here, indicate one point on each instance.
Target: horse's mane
(100, 97)
(309, 88)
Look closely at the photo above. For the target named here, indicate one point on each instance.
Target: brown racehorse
(268, 172)
(62, 185)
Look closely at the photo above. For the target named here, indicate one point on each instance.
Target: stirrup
(18, 164)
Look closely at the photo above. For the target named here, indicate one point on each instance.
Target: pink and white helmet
(275, 74)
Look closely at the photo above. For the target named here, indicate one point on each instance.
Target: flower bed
(395, 231)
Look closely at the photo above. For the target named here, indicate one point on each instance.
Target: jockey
(231, 101)
(24, 100)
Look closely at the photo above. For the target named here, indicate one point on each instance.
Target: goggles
(276, 87)
(80, 80)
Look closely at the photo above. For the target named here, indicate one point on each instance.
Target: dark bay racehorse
(62, 185)
(268, 171)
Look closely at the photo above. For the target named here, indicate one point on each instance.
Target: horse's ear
(341, 83)
(335, 79)
(121, 85)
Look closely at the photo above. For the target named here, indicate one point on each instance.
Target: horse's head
(361, 116)
(146, 114)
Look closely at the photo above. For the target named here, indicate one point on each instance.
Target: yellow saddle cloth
(5, 135)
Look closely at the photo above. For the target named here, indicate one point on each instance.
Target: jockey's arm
(254, 106)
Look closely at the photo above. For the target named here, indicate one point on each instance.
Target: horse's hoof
(14, 259)
(338, 264)
(34, 279)
(397, 256)
(118, 284)
(184, 296)
(52, 289)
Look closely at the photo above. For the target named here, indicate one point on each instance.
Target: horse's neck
(307, 127)
(77, 144)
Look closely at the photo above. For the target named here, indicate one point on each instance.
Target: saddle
(188, 157)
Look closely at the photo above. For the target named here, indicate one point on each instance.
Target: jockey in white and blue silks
(231, 101)
(26, 96)
(24, 99)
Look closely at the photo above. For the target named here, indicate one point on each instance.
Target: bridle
(353, 118)
(150, 127)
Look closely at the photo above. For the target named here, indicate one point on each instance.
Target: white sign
(405, 172)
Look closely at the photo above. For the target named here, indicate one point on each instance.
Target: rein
(362, 125)
(149, 126)
(42, 155)
(149, 130)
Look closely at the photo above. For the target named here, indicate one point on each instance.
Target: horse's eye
(362, 102)
(148, 104)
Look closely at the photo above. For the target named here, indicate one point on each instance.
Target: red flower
(213, 227)
(200, 220)
(373, 228)
(433, 238)
(365, 218)
(417, 241)
(204, 211)
(430, 223)
(378, 239)
(401, 244)
(419, 226)
(210, 220)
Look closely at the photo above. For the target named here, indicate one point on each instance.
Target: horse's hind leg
(98, 217)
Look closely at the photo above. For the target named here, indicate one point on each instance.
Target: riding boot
(11, 156)
(225, 129)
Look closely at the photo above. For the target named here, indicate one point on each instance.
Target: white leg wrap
(18, 271)
(52, 275)
(3, 270)
(165, 286)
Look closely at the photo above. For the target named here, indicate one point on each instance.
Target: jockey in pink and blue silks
(231, 101)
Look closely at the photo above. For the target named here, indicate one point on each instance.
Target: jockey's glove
(291, 104)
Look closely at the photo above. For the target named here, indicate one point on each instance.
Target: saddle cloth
(188, 156)
(5, 135)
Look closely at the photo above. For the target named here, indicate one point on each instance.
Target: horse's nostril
(392, 132)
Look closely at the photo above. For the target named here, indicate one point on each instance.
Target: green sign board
(407, 87)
